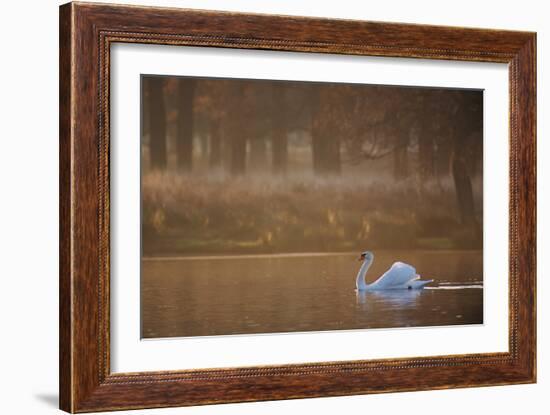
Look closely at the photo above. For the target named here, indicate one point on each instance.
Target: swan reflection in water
(391, 298)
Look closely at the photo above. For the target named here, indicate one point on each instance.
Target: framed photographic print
(260, 207)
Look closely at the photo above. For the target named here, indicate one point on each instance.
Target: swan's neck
(360, 282)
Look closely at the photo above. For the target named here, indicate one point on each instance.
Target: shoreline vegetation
(213, 214)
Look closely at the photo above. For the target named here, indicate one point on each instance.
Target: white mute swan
(399, 277)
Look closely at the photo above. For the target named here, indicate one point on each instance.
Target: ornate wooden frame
(86, 33)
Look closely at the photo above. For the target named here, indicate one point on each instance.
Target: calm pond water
(204, 296)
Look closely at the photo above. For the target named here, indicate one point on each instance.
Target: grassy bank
(216, 214)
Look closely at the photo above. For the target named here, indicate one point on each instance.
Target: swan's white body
(399, 277)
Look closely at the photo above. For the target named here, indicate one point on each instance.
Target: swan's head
(366, 256)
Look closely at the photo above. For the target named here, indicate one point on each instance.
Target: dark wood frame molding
(86, 33)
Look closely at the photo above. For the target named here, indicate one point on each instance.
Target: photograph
(275, 206)
(264, 203)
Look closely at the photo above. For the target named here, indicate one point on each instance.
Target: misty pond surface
(222, 295)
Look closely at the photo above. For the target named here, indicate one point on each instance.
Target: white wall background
(29, 205)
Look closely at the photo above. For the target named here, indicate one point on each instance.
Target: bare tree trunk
(258, 153)
(203, 145)
(145, 109)
(400, 152)
(475, 153)
(280, 151)
(316, 151)
(326, 153)
(333, 157)
(157, 123)
(425, 151)
(472, 234)
(463, 186)
(279, 138)
(235, 130)
(468, 122)
(215, 145)
(400, 163)
(443, 157)
(238, 155)
(184, 147)
(325, 141)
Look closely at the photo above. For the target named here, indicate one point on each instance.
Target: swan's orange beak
(361, 257)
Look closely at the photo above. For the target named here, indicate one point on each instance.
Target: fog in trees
(320, 166)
